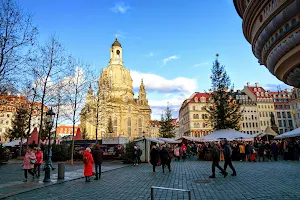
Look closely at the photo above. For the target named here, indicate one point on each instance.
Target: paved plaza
(260, 180)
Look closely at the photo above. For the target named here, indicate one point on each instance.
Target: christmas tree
(19, 125)
(167, 128)
(224, 111)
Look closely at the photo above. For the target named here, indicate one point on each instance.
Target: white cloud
(169, 58)
(120, 7)
(200, 64)
(161, 84)
(174, 91)
(150, 54)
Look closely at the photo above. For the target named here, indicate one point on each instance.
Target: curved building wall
(273, 29)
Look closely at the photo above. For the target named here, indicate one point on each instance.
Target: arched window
(281, 31)
(140, 126)
(129, 126)
(196, 116)
(287, 27)
(196, 99)
(115, 124)
(294, 22)
(203, 99)
(194, 107)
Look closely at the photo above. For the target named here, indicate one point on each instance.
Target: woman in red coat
(88, 164)
(39, 161)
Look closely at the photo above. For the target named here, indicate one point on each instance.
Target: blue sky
(171, 42)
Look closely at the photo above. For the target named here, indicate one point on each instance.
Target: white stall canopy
(14, 143)
(293, 133)
(229, 134)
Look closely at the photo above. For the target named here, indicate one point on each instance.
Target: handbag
(32, 161)
(158, 163)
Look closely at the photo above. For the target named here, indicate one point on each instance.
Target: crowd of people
(161, 155)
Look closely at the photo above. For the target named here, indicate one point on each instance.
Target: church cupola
(116, 53)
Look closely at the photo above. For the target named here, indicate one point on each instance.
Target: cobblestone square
(260, 180)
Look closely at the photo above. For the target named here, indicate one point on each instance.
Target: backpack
(85, 160)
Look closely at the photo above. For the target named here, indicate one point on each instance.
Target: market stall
(228, 134)
(145, 145)
(293, 133)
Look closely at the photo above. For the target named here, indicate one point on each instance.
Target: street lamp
(50, 115)
(145, 141)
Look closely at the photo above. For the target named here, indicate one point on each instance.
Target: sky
(170, 44)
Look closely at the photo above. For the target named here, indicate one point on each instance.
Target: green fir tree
(19, 124)
(224, 111)
(167, 128)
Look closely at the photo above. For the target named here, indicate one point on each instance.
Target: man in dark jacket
(215, 161)
(165, 158)
(98, 159)
(227, 157)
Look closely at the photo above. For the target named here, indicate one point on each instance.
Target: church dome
(116, 43)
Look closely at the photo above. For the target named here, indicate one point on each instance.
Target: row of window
(266, 106)
(250, 125)
(197, 116)
(249, 118)
(283, 114)
(265, 114)
(285, 123)
(198, 125)
(279, 34)
(251, 132)
(282, 107)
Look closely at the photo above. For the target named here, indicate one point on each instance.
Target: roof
(198, 95)
(116, 43)
(259, 92)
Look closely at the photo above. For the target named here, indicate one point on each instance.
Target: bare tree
(16, 32)
(77, 89)
(48, 64)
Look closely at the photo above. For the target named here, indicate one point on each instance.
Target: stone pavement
(260, 180)
(12, 175)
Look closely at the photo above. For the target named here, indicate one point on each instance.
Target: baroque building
(272, 27)
(295, 105)
(8, 107)
(114, 103)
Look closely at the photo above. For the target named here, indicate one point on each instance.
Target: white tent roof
(150, 139)
(193, 139)
(229, 134)
(293, 133)
(14, 143)
(168, 140)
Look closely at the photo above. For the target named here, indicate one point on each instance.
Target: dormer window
(203, 99)
(255, 90)
(262, 94)
(259, 89)
(196, 99)
(257, 94)
(266, 93)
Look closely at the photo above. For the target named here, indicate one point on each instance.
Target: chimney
(256, 84)
(248, 84)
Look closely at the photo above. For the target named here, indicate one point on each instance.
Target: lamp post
(49, 122)
(145, 141)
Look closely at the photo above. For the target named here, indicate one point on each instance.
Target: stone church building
(114, 103)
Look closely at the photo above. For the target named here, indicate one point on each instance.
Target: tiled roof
(198, 95)
(259, 92)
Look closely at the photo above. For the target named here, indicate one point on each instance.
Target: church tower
(89, 96)
(142, 95)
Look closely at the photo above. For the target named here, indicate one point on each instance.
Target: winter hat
(88, 149)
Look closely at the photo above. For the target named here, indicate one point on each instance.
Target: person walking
(274, 150)
(88, 164)
(227, 157)
(50, 158)
(139, 154)
(165, 158)
(215, 161)
(98, 159)
(154, 157)
(39, 161)
(28, 163)
(177, 153)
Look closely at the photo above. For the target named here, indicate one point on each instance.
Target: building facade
(282, 100)
(265, 105)
(272, 27)
(8, 107)
(114, 103)
(295, 106)
(65, 130)
(250, 117)
(193, 118)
